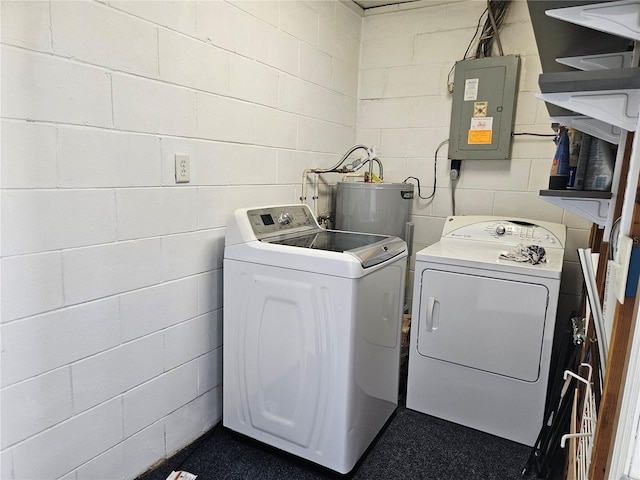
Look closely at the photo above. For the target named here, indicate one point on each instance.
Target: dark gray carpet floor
(411, 446)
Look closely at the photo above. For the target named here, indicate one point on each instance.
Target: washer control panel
(270, 221)
(504, 231)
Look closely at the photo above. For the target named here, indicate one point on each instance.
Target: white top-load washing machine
(483, 324)
(312, 323)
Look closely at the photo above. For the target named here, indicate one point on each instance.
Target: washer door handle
(432, 316)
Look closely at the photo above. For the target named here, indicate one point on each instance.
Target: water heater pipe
(316, 179)
(372, 157)
(377, 160)
(303, 196)
(344, 157)
(352, 175)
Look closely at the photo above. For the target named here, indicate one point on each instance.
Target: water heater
(382, 208)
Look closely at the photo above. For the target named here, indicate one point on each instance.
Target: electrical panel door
(482, 114)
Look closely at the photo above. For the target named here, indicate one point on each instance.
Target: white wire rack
(579, 468)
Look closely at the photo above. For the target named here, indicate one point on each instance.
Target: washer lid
(368, 248)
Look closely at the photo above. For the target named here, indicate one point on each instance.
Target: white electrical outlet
(183, 169)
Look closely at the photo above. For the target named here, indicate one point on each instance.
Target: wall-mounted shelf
(611, 96)
(593, 206)
(619, 108)
(617, 18)
(558, 39)
(603, 61)
(596, 128)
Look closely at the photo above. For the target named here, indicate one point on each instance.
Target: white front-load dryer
(311, 333)
(483, 324)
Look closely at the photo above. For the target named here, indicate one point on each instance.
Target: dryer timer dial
(500, 230)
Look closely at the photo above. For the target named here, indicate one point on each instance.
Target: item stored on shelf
(559, 174)
(583, 161)
(575, 140)
(601, 159)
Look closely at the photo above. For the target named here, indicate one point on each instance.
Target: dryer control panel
(505, 230)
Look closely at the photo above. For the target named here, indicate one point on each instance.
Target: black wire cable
(496, 30)
(498, 12)
(485, 12)
(535, 134)
(420, 188)
(485, 43)
(435, 176)
(464, 57)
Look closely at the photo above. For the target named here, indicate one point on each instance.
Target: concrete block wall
(111, 316)
(111, 273)
(405, 109)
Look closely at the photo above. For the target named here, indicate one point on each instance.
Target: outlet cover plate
(183, 168)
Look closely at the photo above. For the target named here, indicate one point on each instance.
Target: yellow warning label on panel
(480, 109)
(479, 137)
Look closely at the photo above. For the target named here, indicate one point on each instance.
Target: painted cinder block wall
(111, 273)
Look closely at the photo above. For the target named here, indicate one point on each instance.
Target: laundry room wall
(404, 109)
(111, 310)
(111, 273)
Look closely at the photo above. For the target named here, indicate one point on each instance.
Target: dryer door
(490, 324)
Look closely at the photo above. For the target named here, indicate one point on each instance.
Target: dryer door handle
(432, 315)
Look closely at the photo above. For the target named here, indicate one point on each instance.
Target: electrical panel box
(482, 114)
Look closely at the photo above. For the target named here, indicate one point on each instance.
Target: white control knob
(284, 218)
(500, 230)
